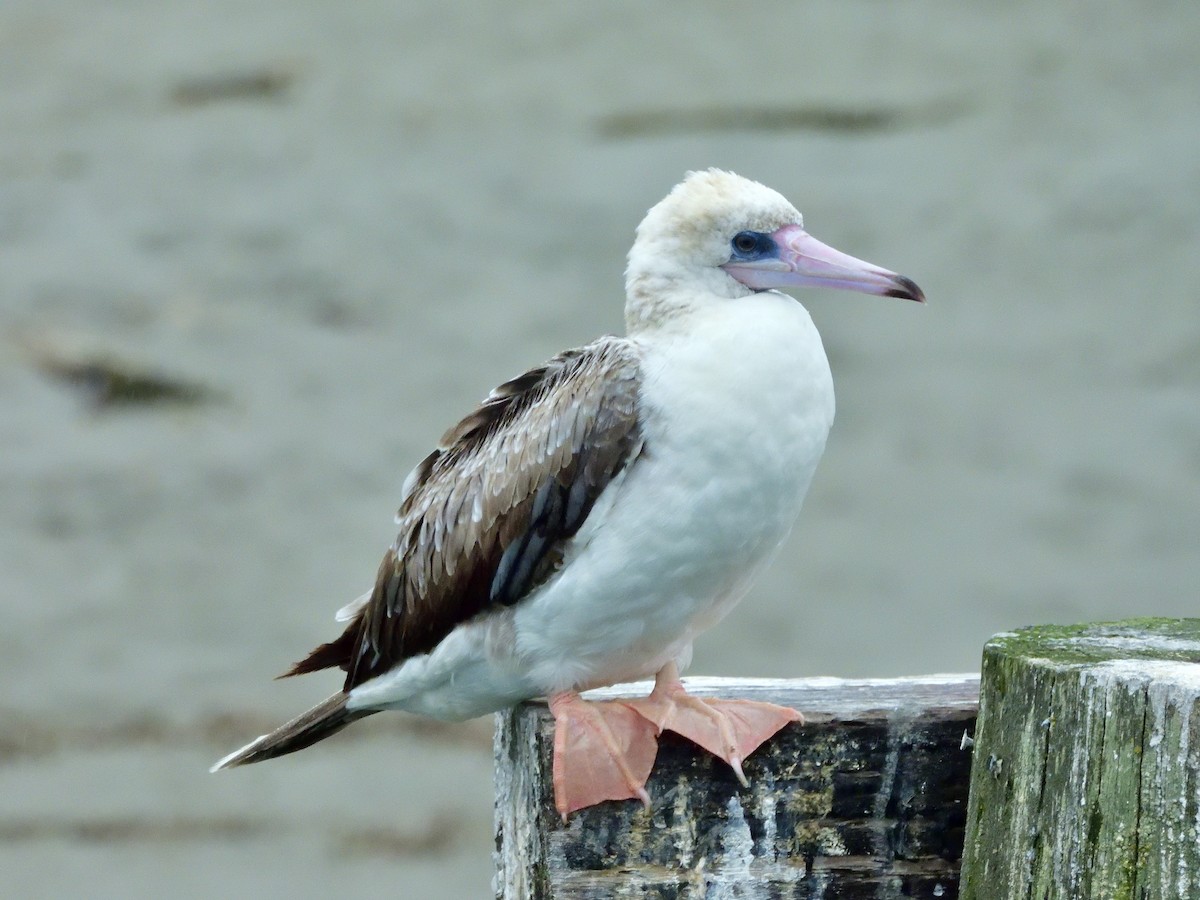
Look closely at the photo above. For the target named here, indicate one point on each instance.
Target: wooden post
(1086, 779)
(867, 799)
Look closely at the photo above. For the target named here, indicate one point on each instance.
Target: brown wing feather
(489, 512)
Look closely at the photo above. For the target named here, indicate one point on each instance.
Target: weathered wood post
(1086, 778)
(866, 799)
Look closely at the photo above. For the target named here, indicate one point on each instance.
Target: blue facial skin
(751, 246)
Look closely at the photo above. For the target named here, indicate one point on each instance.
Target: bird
(594, 515)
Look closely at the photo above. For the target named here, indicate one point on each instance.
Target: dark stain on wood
(855, 803)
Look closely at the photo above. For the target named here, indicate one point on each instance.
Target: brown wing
(486, 516)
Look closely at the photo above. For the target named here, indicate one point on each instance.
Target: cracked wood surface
(866, 799)
(1086, 778)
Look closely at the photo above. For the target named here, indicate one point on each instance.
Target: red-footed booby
(594, 515)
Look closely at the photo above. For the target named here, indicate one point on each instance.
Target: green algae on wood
(1086, 775)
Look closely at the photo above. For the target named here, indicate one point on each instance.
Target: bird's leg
(728, 729)
(602, 751)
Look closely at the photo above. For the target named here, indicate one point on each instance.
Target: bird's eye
(745, 242)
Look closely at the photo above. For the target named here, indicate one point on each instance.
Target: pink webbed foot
(602, 751)
(728, 729)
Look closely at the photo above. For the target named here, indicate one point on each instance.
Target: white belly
(736, 418)
(736, 414)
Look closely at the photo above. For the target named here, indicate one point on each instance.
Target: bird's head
(720, 236)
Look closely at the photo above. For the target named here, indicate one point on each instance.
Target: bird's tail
(324, 719)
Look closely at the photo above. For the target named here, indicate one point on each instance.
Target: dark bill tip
(906, 290)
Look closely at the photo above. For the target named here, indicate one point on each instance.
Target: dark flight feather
(487, 515)
(326, 718)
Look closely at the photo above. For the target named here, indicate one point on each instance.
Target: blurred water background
(255, 257)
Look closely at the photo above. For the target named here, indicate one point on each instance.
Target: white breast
(737, 407)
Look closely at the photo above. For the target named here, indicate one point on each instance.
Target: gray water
(342, 224)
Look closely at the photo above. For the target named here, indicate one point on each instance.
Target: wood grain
(866, 799)
(1087, 764)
